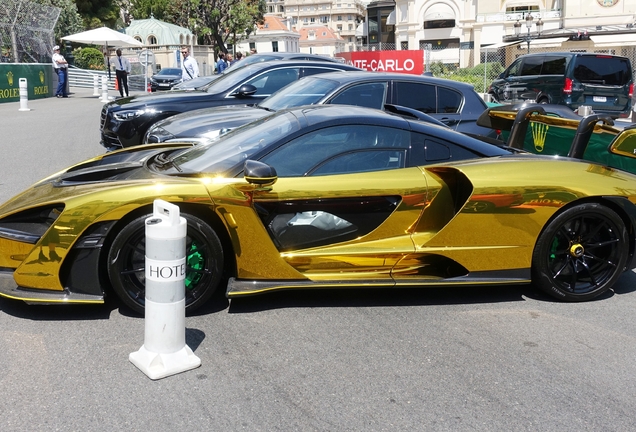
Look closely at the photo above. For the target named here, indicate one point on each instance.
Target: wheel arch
(624, 208)
(205, 213)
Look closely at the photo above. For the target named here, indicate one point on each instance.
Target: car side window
(309, 71)
(448, 101)
(426, 150)
(532, 65)
(341, 150)
(513, 70)
(554, 65)
(418, 96)
(370, 95)
(274, 80)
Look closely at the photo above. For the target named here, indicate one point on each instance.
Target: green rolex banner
(39, 78)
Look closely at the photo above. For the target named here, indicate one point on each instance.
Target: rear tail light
(567, 86)
(631, 90)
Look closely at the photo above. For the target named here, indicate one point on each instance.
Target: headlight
(131, 114)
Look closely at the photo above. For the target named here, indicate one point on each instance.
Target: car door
(344, 202)
(504, 86)
(442, 103)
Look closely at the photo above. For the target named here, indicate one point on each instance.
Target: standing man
(221, 64)
(61, 69)
(189, 67)
(122, 69)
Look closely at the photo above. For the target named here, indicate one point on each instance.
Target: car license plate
(599, 99)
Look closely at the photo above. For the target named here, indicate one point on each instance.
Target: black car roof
(341, 114)
(273, 64)
(291, 55)
(361, 75)
(571, 54)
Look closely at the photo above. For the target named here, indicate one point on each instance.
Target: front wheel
(204, 263)
(581, 253)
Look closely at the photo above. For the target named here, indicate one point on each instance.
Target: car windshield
(230, 79)
(169, 71)
(236, 146)
(256, 58)
(307, 91)
(195, 83)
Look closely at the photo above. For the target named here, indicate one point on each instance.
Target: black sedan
(124, 121)
(165, 79)
(453, 103)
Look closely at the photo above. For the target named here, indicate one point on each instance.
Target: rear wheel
(581, 254)
(543, 101)
(204, 263)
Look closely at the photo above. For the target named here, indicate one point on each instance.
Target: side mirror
(259, 173)
(245, 90)
(624, 144)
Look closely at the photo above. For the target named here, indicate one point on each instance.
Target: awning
(499, 45)
(390, 20)
(439, 11)
(624, 39)
(548, 43)
(526, 3)
(362, 30)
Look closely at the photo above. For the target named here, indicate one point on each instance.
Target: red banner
(411, 62)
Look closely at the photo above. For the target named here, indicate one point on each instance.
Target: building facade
(341, 16)
(458, 31)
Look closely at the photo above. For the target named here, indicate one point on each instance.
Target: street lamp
(527, 38)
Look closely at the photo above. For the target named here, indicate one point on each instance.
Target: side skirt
(243, 287)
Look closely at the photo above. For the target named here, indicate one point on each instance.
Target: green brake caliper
(195, 262)
(553, 248)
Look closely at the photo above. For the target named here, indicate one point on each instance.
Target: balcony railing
(507, 17)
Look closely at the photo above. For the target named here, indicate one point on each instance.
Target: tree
(97, 13)
(216, 22)
(141, 9)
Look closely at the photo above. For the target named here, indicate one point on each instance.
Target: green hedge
(474, 75)
(89, 58)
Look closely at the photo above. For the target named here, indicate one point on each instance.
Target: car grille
(102, 118)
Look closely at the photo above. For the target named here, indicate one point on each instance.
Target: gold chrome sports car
(323, 197)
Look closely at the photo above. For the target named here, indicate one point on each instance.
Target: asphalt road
(488, 359)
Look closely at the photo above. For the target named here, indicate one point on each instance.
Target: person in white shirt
(61, 69)
(189, 67)
(122, 69)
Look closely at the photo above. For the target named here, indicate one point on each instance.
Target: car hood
(166, 77)
(198, 122)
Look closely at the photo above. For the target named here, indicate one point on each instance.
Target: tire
(581, 253)
(204, 263)
(543, 101)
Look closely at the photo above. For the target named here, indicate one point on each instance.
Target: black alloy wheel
(581, 253)
(204, 263)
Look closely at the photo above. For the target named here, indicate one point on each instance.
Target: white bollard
(24, 95)
(104, 89)
(95, 85)
(164, 351)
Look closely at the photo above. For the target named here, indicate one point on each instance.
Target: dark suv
(603, 82)
(124, 121)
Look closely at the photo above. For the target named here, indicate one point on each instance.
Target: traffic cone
(149, 89)
(116, 84)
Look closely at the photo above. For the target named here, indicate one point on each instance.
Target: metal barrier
(84, 78)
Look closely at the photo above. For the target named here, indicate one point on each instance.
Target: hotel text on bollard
(164, 351)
